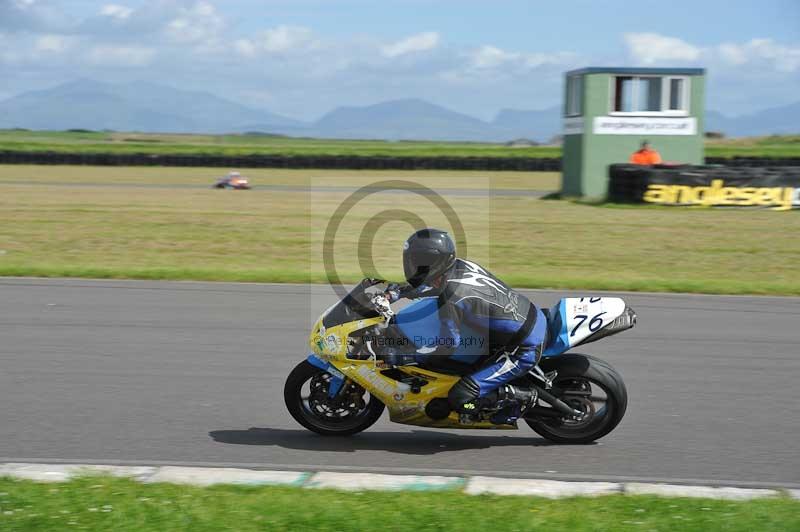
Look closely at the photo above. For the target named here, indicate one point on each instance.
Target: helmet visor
(423, 267)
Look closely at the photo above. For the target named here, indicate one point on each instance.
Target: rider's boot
(513, 400)
(464, 397)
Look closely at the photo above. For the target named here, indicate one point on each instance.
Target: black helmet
(427, 254)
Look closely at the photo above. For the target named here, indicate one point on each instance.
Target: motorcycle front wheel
(306, 397)
(589, 385)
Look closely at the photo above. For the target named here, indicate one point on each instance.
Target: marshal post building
(609, 112)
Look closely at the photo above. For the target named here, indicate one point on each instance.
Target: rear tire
(579, 375)
(317, 414)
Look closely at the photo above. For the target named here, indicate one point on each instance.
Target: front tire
(588, 384)
(318, 413)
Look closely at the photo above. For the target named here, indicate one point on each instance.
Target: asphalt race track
(192, 373)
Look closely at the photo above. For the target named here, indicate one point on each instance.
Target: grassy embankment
(99, 142)
(123, 227)
(102, 503)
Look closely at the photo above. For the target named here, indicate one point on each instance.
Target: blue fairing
(336, 377)
(419, 321)
(558, 341)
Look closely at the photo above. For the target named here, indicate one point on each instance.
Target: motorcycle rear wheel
(318, 413)
(588, 384)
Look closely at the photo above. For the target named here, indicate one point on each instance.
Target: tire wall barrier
(347, 162)
(776, 188)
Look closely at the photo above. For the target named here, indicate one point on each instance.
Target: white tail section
(573, 319)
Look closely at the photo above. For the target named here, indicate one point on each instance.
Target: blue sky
(301, 58)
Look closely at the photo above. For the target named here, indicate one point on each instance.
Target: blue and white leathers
(475, 309)
(512, 364)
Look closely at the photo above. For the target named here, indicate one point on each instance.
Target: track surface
(150, 372)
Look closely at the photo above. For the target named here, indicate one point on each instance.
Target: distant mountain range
(404, 119)
(142, 106)
(772, 121)
(138, 106)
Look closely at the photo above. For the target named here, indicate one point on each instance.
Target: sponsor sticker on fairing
(333, 343)
(380, 384)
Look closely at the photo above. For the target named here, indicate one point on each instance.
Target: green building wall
(587, 156)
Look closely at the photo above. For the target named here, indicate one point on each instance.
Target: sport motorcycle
(232, 181)
(345, 383)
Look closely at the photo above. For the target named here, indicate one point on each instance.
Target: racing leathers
(515, 328)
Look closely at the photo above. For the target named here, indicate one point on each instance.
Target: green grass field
(204, 177)
(99, 142)
(251, 144)
(103, 504)
(114, 223)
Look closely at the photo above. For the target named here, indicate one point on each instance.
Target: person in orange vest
(646, 155)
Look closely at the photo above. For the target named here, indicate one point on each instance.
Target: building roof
(640, 71)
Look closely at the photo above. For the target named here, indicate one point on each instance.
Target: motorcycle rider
(469, 294)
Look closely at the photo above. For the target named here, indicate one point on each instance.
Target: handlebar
(370, 281)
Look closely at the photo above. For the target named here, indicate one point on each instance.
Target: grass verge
(234, 145)
(104, 503)
(107, 231)
(205, 177)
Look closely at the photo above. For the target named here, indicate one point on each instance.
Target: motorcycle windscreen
(420, 323)
(354, 306)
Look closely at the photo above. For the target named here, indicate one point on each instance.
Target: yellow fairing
(404, 406)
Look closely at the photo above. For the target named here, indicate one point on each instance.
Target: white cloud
(492, 57)
(651, 48)
(732, 53)
(277, 40)
(198, 23)
(783, 58)
(121, 56)
(194, 43)
(245, 47)
(285, 38)
(52, 43)
(490, 64)
(420, 42)
(116, 11)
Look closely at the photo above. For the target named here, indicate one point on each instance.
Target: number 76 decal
(594, 324)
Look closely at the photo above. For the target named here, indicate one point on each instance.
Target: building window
(650, 95)
(623, 94)
(677, 96)
(574, 96)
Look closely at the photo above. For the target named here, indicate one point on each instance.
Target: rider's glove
(382, 305)
(393, 295)
(397, 291)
